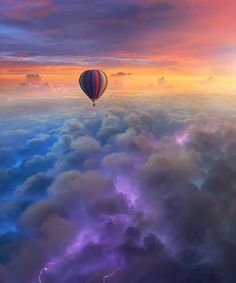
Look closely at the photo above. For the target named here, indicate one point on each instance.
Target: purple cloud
(119, 196)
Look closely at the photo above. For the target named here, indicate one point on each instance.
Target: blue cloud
(136, 188)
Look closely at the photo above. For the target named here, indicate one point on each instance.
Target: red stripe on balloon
(81, 81)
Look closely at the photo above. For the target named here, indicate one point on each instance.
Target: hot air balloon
(93, 83)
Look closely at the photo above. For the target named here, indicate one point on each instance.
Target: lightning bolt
(109, 275)
(41, 273)
(45, 268)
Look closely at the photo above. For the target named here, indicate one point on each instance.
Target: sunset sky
(150, 45)
(140, 188)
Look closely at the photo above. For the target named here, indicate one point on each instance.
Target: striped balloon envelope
(93, 83)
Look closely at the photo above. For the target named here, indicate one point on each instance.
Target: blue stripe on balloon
(84, 82)
(86, 76)
(88, 85)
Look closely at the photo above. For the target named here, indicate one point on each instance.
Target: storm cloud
(135, 190)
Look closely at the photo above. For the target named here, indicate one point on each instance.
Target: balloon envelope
(93, 83)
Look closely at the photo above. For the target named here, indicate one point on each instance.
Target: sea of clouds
(134, 190)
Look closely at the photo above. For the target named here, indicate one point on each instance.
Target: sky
(140, 188)
(167, 46)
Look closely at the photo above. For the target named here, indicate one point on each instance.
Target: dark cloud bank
(86, 28)
(140, 190)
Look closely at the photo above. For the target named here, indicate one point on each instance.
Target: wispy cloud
(120, 74)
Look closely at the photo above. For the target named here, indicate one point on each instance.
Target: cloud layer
(135, 190)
